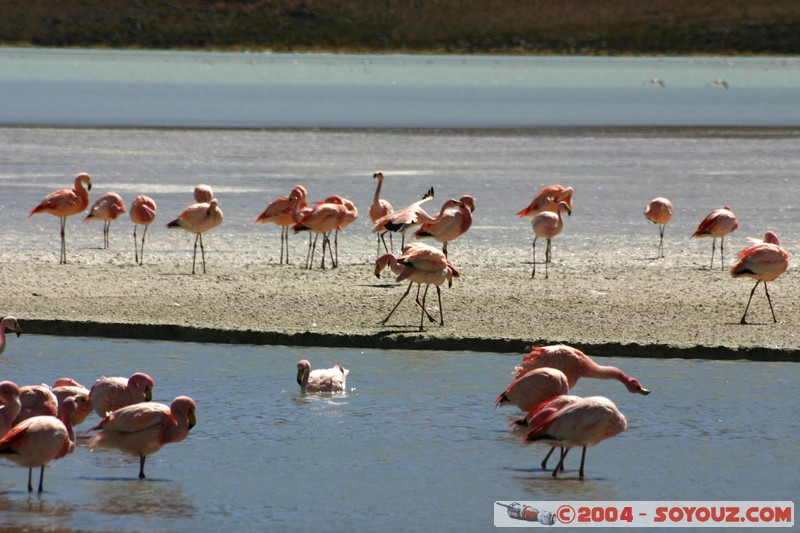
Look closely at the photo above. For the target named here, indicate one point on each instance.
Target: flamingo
(144, 428)
(203, 194)
(107, 208)
(717, 224)
(10, 405)
(143, 212)
(586, 422)
(547, 199)
(38, 440)
(321, 219)
(350, 216)
(659, 211)
(534, 387)
(36, 400)
(111, 393)
(66, 202)
(575, 365)
(763, 261)
(453, 220)
(540, 412)
(199, 218)
(404, 219)
(420, 264)
(332, 379)
(547, 224)
(281, 213)
(65, 388)
(379, 209)
(719, 81)
(655, 81)
(8, 323)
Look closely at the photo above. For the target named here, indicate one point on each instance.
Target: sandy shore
(647, 309)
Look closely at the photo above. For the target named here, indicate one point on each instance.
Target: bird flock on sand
(37, 423)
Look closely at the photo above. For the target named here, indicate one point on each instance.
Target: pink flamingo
(453, 220)
(111, 393)
(321, 219)
(203, 194)
(763, 261)
(717, 224)
(575, 365)
(65, 202)
(107, 208)
(65, 388)
(36, 400)
(379, 209)
(547, 224)
(540, 412)
(199, 218)
(281, 213)
(404, 219)
(534, 387)
(8, 323)
(143, 212)
(547, 199)
(144, 428)
(332, 379)
(38, 440)
(10, 405)
(350, 216)
(585, 422)
(420, 264)
(659, 211)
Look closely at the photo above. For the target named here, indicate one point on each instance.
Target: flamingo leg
(325, 242)
(560, 465)
(336, 245)
(661, 228)
(441, 309)
(194, 256)
(398, 303)
(422, 316)
(743, 321)
(533, 273)
(63, 259)
(713, 247)
(430, 318)
(583, 460)
(41, 479)
(547, 259)
(135, 246)
(547, 457)
(311, 249)
(444, 248)
(774, 319)
(30, 484)
(141, 466)
(141, 255)
(202, 252)
(722, 252)
(283, 230)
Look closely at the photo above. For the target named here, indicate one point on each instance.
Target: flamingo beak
(644, 392)
(300, 376)
(148, 394)
(192, 419)
(378, 271)
(89, 186)
(17, 330)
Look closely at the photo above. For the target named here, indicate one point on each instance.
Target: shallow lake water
(415, 444)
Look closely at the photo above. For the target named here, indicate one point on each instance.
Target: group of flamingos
(37, 422)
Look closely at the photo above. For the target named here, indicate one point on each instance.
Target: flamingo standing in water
(717, 224)
(332, 379)
(281, 213)
(144, 428)
(10, 405)
(143, 211)
(65, 202)
(575, 365)
(534, 387)
(763, 261)
(404, 219)
(107, 208)
(547, 199)
(421, 264)
(199, 218)
(547, 224)
(379, 209)
(585, 422)
(36, 400)
(540, 412)
(8, 323)
(659, 211)
(111, 393)
(38, 440)
(453, 220)
(65, 388)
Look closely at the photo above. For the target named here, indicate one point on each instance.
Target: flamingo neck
(378, 191)
(611, 372)
(304, 381)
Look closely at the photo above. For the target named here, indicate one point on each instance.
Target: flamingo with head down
(547, 199)
(65, 388)
(8, 323)
(332, 379)
(38, 440)
(659, 211)
(453, 220)
(762, 261)
(66, 202)
(107, 208)
(534, 387)
(716, 225)
(36, 400)
(144, 428)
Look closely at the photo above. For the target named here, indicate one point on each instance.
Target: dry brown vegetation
(468, 26)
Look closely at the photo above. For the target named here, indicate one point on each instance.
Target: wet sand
(643, 309)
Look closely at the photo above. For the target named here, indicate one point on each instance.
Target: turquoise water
(416, 444)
